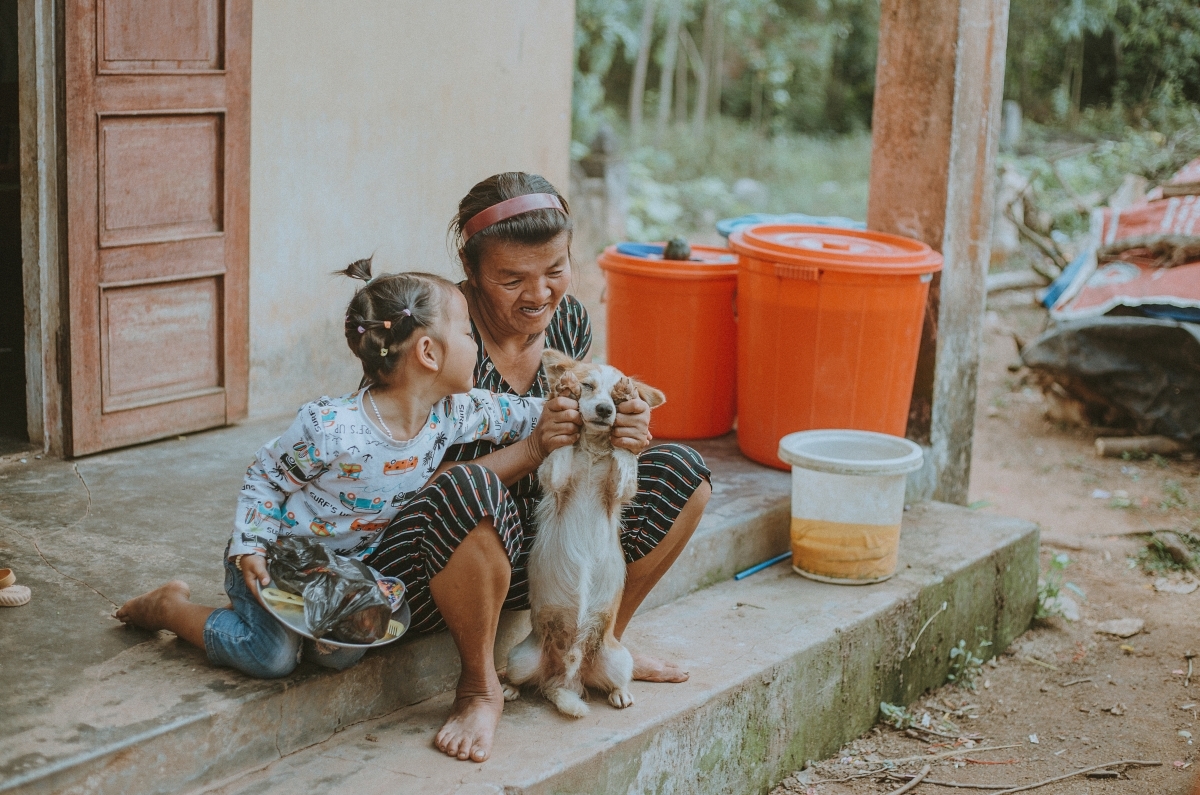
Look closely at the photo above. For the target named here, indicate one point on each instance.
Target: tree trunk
(1077, 80)
(708, 43)
(670, 56)
(637, 94)
(718, 60)
(681, 78)
(756, 99)
(701, 72)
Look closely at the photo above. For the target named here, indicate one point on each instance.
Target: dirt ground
(1063, 696)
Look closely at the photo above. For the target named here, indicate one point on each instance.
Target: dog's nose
(604, 411)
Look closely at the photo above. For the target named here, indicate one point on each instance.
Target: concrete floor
(89, 534)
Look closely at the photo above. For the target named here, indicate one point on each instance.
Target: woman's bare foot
(152, 610)
(652, 669)
(468, 732)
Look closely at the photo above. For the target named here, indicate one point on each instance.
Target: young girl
(347, 465)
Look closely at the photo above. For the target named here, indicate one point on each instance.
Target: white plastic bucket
(847, 502)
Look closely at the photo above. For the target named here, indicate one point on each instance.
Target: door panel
(180, 322)
(136, 35)
(157, 107)
(160, 177)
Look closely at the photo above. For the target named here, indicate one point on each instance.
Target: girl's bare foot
(152, 610)
(652, 669)
(468, 732)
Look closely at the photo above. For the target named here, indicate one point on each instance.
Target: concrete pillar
(938, 89)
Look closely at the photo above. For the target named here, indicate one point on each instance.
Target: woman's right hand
(558, 427)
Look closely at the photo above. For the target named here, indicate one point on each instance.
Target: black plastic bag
(341, 599)
(1132, 370)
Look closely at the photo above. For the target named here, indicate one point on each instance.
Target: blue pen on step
(741, 575)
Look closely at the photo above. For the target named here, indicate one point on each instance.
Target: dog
(576, 565)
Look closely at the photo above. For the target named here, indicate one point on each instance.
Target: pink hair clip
(362, 330)
(387, 324)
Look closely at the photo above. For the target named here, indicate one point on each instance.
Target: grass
(688, 182)
(1154, 558)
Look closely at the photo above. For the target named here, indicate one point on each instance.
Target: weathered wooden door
(158, 156)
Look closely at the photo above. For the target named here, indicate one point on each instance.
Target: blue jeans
(251, 640)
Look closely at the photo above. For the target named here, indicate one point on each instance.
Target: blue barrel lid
(727, 226)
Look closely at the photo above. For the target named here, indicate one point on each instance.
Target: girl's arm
(558, 427)
(279, 470)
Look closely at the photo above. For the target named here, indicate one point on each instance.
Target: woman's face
(522, 285)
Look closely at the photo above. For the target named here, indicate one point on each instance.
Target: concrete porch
(783, 669)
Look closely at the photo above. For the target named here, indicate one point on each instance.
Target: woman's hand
(631, 428)
(558, 427)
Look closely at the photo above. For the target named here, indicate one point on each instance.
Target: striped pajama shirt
(420, 540)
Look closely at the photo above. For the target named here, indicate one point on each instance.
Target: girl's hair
(383, 315)
(532, 228)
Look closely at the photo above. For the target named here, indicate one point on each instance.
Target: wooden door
(158, 159)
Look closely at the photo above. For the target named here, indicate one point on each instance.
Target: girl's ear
(425, 350)
(653, 397)
(556, 363)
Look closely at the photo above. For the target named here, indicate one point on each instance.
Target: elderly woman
(462, 543)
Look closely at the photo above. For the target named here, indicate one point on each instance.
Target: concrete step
(117, 711)
(783, 669)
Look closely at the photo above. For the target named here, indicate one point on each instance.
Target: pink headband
(510, 207)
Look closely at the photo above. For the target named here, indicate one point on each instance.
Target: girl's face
(521, 285)
(457, 373)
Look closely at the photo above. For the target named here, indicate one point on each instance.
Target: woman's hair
(531, 228)
(383, 314)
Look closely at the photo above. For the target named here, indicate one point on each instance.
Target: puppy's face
(599, 388)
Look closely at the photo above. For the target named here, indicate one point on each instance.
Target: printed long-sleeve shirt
(333, 476)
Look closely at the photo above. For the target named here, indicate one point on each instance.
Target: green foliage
(1067, 55)
(1050, 587)
(1154, 558)
(603, 29)
(786, 65)
(897, 716)
(965, 665)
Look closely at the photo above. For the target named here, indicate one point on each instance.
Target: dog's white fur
(576, 566)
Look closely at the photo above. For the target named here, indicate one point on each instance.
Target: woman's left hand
(631, 428)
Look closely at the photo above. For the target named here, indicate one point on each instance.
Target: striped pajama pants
(421, 539)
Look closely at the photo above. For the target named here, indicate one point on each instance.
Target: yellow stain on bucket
(843, 551)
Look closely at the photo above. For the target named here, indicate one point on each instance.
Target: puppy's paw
(511, 692)
(555, 471)
(620, 698)
(626, 464)
(624, 390)
(568, 703)
(568, 386)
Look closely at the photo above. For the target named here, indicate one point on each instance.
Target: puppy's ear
(556, 363)
(653, 397)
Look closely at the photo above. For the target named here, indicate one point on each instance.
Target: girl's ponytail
(359, 269)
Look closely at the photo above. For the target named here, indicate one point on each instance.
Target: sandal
(12, 595)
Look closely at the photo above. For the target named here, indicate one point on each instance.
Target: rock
(1177, 549)
(677, 248)
(1121, 627)
(1184, 586)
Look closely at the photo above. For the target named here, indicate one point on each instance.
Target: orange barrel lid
(847, 250)
(707, 262)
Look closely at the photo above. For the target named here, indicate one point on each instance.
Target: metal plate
(292, 617)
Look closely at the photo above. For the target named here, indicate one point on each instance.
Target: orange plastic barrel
(670, 324)
(829, 325)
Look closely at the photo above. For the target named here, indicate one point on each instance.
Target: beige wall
(370, 120)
